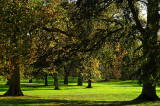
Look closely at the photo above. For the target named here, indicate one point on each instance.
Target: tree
(150, 44)
(14, 36)
(147, 35)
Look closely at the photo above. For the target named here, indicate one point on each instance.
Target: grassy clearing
(102, 93)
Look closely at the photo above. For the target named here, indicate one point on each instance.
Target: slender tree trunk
(80, 78)
(66, 76)
(106, 78)
(123, 76)
(46, 80)
(66, 79)
(56, 81)
(30, 79)
(106, 72)
(89, 81)
(14, 86)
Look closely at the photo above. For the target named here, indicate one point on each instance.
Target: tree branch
(100, 41)
(135, 16)
(143, 2)
(56, 30)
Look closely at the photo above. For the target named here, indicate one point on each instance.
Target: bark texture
(14, 86)
(148, 93)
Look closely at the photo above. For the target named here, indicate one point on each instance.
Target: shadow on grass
(3, 88)
(39, 101)
(49, 87)
(34, 86)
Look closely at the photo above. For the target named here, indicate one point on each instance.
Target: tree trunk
(8, 81)
(89, 83)
(66, 76)
(30, 79)
(89, 80)
(46, 80)
(56, 81)
(66, 79)
(106, 73)
(148, 93)
(14, 86)
(80, 79)
(106, 78)
(123, 76)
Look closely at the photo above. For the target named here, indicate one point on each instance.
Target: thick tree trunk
(80, 79)
(46, 80)
(14, 86)
(56, 81)
(148, 93)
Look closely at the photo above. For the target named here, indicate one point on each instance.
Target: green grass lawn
(102, 93)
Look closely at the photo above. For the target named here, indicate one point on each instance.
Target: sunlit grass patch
(102, 93)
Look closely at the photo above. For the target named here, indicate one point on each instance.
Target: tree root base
(8, 93)
(89, 87)
(144, 97)
(57, 89)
